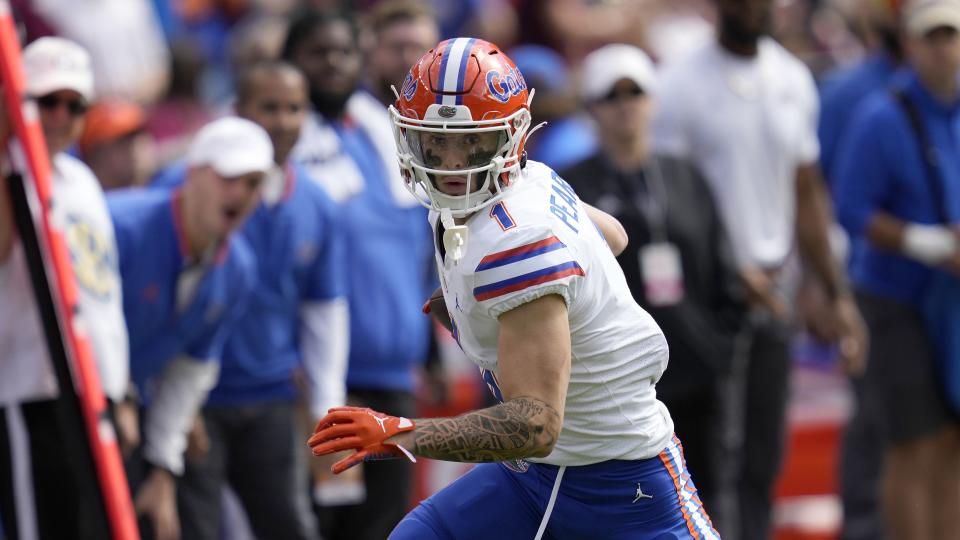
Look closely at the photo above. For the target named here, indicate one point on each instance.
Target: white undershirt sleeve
(324, 347)
(180, 392)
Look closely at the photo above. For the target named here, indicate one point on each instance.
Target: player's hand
(157, 499)
(363, 430)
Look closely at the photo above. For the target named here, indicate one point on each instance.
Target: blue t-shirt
(880, 168)
(299, 248)
(152, 256)
(390, 273)
(840, 92)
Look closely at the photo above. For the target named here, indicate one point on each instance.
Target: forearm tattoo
(519, 428)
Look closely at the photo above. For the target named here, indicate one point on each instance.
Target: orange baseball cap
(110, 120)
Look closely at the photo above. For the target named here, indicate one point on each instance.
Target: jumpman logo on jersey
(380, 421)
(641, 494)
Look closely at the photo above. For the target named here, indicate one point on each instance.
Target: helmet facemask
(439, 156)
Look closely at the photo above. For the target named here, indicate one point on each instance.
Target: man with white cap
(186, 279)
(897, 189)
(290, 347)
(678, 264)
(59, 83)
(744, 110)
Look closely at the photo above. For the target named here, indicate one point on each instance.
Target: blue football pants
(643, 499)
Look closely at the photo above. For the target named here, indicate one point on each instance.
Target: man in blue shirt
(185, 282)
(904, 210)
(347, 145)
(841, 90)
(295, 329)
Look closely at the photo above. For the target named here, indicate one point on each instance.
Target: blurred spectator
(181, 112)
(744, 111)
(296, 322)
(667, 210)
(897, 183)
(493, 20)
(575, 27)
(257, 38)
(186, 279)
(566, 138)
(790, 26)
(59, 82)
(402, 31)
(843, 88)
(130, 60)
(116, 145)
(678, 27)
(30, 24)
(204, 22)
(841, 91)
(347, 145)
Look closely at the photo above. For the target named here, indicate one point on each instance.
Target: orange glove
(361, 429)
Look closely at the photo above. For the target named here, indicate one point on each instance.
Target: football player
(537, 300)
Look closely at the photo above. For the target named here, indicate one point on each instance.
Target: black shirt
(668, 200)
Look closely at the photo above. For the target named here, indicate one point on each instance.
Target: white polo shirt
(747, 123)
(79, 210)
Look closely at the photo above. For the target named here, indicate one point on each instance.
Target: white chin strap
(454, 236)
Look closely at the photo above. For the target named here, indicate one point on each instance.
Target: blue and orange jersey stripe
(507, 286)
(526, 251)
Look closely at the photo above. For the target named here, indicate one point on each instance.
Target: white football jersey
(538, 240)
(79, 211)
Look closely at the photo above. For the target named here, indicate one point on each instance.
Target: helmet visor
(455, 160)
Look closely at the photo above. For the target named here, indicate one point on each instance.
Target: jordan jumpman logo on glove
(361, 429)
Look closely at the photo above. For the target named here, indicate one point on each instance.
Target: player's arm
(534, 359)
(613, 232)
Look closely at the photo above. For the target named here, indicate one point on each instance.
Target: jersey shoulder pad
(523, 264)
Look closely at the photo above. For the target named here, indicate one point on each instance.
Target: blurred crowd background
(175, 60)
(163, 69)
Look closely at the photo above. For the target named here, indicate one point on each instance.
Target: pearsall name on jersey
(537, 241)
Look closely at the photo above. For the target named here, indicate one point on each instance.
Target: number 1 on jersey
(504, 219)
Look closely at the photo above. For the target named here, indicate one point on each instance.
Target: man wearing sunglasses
(59, 80)
(678, 265)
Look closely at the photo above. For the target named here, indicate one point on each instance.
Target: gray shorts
(902, 387)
